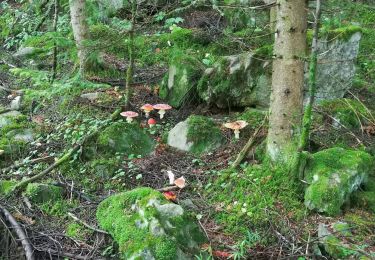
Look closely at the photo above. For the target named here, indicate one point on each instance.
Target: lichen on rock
(147, 226)
(333, 174)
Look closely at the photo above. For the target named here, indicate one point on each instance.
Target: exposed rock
(91, 96)
(198, 134)
(122, 137)
(233, 80)
(333, 175)
(25, 135)
(244, 80)
(336, 66)
(6, 118)
(179, 84)
(15, 104)
(41, 193)
(26, 52)
(147, 226)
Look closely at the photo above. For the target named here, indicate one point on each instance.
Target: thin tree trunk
(130, 70)
(307, 117)
(287, 79)
(55, 19)
(80, 31)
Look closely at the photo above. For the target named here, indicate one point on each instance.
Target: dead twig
(29, 251)
(87, 225)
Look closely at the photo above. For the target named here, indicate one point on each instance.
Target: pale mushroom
(162, 108)
(180, 182)
(129, 115)
(147, 108)
(236, 126)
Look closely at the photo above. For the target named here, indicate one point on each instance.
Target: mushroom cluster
(236, 126)
(147, 108)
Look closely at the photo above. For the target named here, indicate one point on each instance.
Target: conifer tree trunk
(287, 79)
(130, 70)
(80, 31)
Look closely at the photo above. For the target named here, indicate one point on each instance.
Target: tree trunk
(80, 31)
(287, 79)
(130, 70)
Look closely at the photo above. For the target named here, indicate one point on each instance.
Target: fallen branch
(21, 185)
(86, 225)
(24, 163)
(28, 248)
(247, 146)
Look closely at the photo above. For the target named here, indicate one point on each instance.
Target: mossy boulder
(347, 112)
(147, 226)
(197, 134)
(365, 198)
(41, 193)
(236, 81)
(333, 175)
(179, 85)
(124, 138)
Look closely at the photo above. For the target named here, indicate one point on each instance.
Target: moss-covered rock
(125, 138)
(41, 193)
(365, 198)
(348, 112)
(180, 82)
(233, 81)
(147, 226)
(197, 134)
(333, 175)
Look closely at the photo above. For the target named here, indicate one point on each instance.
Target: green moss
(6, 186)
(59, 207)
(337, 249)
(349, 112)
(77, 231)
(122, 137)
(120, 214)
(42, 193)
(252, 198)
(333, 175)
(184, 71)
(341, 33)
(253, 116)
(366, 198)
(204, 134)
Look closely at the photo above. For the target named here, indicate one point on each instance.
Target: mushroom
(162, 108)
(151, 122)
(147, 108)
(129, 115)
(236, 126)
(180, 182)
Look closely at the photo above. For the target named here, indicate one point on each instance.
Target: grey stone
(177, 137)
(26, 136)
(26, 52)
(170, 210)
(15, 104)
(5, 118)
(336, 66)
(91, 96)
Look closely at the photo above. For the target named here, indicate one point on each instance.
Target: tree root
(250, 143)
(28, 248)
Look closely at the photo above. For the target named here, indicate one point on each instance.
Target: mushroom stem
(147, 114)
(129, 119)
(161, 113)
(237, 134)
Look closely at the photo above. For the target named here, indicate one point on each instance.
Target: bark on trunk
(80, 31)
(287, 79)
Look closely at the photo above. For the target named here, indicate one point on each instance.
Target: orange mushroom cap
(147, 107)
(237, 125)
